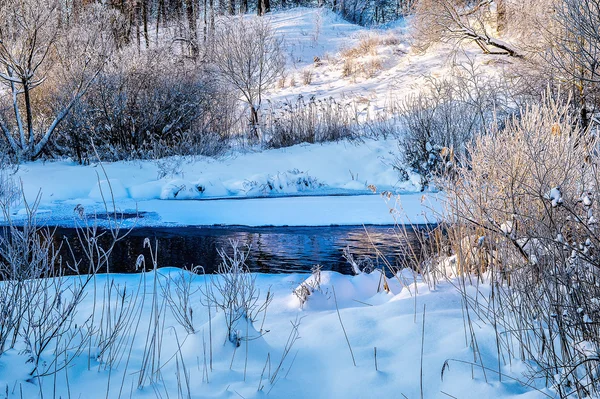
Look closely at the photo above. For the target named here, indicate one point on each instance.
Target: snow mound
(181, 189)
(185, 190)
(290, 182)
(317, 291)
(149, 190)
(108, 189)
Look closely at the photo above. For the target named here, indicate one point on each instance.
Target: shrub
(38, 304)
(309, 121)
(234, 291)
(307, 76)
(367, 45)
(151, 107)
(348, 67)
(431, 125)
(442, 119)
(527, 200)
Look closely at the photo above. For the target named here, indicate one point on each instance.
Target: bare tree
(575, 49)
(456, 20)
(250, 58)
(36, 50)
(580, 22)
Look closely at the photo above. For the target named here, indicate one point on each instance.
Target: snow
(312, 32)
(319, 364)
(305, 185)
(555, 196)
(108, 188)
(394, 71)
(295, 211)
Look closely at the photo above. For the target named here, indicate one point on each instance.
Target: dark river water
(272, 249)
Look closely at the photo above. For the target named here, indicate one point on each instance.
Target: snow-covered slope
(368, 68)
(397, 353)
(312, 32)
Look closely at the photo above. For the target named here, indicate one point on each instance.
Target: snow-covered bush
(528, 201)
(234, 292)
(169, 166)
(574, 51)
(177, 291)
(146, 106)
(442, 119)
(310, 286)
(436, 130)
(38, 304)
(48, 64)
(292, 181)
(181, 189)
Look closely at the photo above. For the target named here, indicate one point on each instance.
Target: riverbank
(350, 338)
(340, 183)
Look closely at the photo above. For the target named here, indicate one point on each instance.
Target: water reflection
(273, 249)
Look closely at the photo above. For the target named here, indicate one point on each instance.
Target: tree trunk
(136, 13)
(16, 110)
(191, 17)
(162, 9)
(160, 4)
(76, 7)
(28, 113)
(212, 17)
(231, 8)
(263, 7)
(128, 12)
(580, 86)
(205, 26)
(145, 22)
(254, 121)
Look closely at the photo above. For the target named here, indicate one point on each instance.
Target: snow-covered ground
(312, 32)
(380, 74)
(397, 353)
(330, 184)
